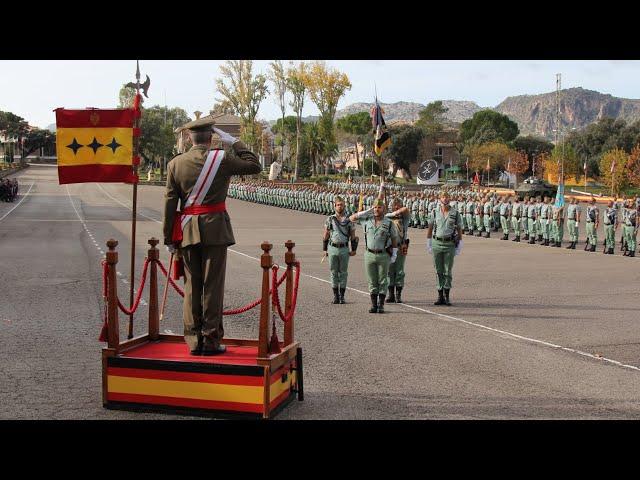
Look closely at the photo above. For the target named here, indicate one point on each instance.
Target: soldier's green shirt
(445, 225)
(376, 236)
(339, 231)
(572, 211)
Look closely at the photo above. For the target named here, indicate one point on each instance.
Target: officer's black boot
(342, 290)
(446, 297)
(559, 244)
(546, 242)
(381, 303)
(374, 303)
(398, 294)
(506, 236)
(336, 295)
(440, 300)
(488, 235)
(392, 295)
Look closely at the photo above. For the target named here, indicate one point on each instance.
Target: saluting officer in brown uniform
(199, 180)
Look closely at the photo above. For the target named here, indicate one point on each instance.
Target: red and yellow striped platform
(163, 376)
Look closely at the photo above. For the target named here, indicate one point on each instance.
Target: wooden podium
(156, 372)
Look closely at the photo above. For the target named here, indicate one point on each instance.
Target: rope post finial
(290, 260)
(266, 262)
(154, 319)
(113, 329)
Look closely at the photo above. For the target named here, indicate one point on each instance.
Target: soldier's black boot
(392, 295)
(440, 300)
(593, 248)
(546, 242)
(381, 303)
(342, 290)
(506, 236)
(488, 235)
(632, 253)
(336, 295)
(611, 251)
(571, 246)
(540, 239)
(446, 297)
(374, 303)
(574, 245)
(586, 246)
(532, 241)
(559, 244)
(398, 294)
(517, 239)
(526, 236)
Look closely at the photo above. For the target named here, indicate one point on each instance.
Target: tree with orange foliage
(538, 164)
(613, 170)
(632, 168)
(518, 163)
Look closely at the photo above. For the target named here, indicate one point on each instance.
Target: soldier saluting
(378, 231)
(338, 231)
(201, 232)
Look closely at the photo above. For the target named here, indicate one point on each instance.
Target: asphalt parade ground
(534, 332)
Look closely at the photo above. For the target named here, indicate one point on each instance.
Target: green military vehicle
(534, 187)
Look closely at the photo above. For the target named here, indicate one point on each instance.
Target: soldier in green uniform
(555, 232)
(630, 228)
(593, 221)
(610, 220)
(531, 220)
(478, 216)
(377, 231)
(545, 210)
(444, 241)
(487, 215)
(516, 214)
(400, 217)
(573, 220)
(338, 232)
(207, 233)
(470, 211)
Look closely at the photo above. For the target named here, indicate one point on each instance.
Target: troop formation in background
(8, 189)
(533, 219)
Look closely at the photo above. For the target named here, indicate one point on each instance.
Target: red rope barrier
(294, 296)
(226, 312)
(134, 307)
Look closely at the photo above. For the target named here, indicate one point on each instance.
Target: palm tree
(315, 144)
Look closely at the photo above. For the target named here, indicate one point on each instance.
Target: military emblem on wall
(427, 170)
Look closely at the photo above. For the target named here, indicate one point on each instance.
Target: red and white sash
(199, 191)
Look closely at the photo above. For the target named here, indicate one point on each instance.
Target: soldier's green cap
(199, 124)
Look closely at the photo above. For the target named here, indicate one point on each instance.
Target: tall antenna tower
(558, 87)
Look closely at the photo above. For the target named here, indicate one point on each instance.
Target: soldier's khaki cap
(199, 124)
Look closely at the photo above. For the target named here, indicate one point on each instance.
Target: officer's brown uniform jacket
(182, 174)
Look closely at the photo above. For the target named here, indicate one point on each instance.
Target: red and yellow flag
(95, 145)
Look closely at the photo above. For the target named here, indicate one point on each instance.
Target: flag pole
(136, 153)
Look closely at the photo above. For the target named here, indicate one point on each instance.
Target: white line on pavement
(478, 325)
(25, 196)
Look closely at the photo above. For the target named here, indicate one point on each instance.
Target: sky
(32, 89)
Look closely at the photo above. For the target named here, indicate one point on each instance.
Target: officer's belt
(176, 236)
(338, 245)
(374, 251)
(444, 239)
